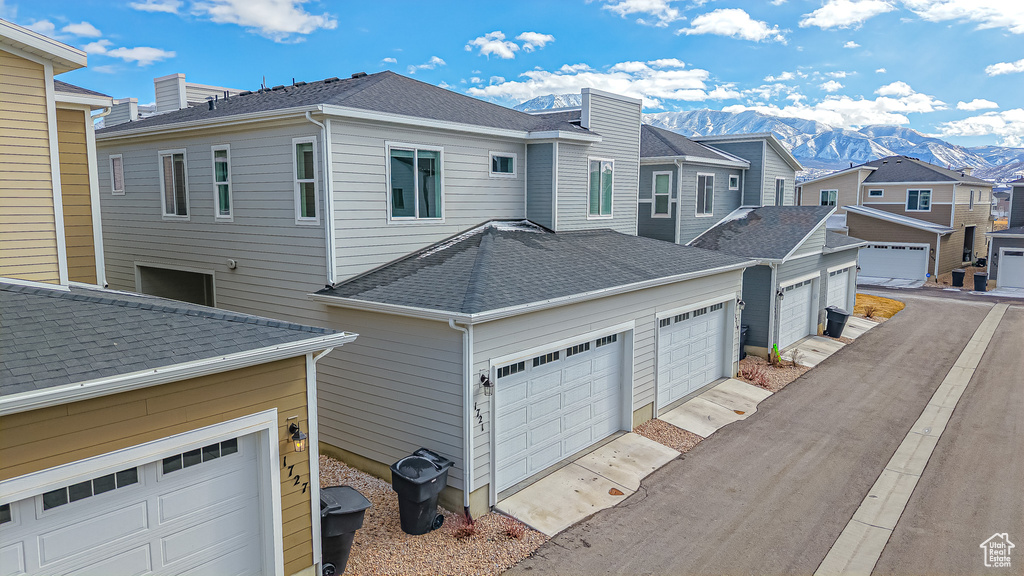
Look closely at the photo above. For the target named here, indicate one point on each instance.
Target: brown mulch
(672, 436)
(381, 548)
(777, 376)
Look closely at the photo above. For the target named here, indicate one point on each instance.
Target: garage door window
(5, 514)
(94, 487)
(511, 369)
(577, 349)
(542, 360)
(199, 455)
(607, 340)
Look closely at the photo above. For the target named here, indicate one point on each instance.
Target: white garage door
(1011, 269)
(553, 405)
(191, 513)
(905, 261)
(690, 352)
(839, 288)
(795, 313)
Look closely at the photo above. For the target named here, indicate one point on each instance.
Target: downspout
(774, 307)
(679, 198)
(329, 241)
(935, 269)
(313, 424)
(94, 195)
(467, 395)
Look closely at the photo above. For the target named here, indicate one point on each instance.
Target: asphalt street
(770, 494)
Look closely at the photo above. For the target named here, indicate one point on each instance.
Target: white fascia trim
(922, 183)
(809, 234)
(65, 56)
(169, 76)
(75, 392)
(849, 264)
(694, 160)
(497, 361)
(563, 135)
(720, 299)
(799, 279)
(313, 423)
(834, 249)
(297, 113)
(612, 95)
(58, 198)
(34, 284)
(995, 235)
(490, 315)
(839, 173)
(94, 200)
(93, 102)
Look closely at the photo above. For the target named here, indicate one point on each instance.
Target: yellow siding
(74, 185)
(846, 186)
(28, 234)
(40, 439)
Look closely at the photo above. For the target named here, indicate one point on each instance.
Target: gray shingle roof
(658, 143)
(766, 232)
(1015, 230)
(1018, 181)
(501, 264)
(72, 89)
(52, 337)
(381, 92)
(907, 169)
(836, 241)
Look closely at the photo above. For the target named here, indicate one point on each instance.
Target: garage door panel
(12, 559)
(517, 392)
(214, 533)
(1011, 269)
(542, 429)
(886, 260)
(690, 352)
(546, 454)
(795, 313)
(580, 393)
(133, 562)
(230, 563)
(513, 418)
(576, 441)
(215, 492)
(546, 383)
(92, 532)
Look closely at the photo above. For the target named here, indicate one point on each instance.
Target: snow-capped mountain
(822, 148)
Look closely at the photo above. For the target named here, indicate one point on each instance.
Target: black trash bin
(980, 281)
(341, 514)
(837, 318)
(744, 331)
(418, 480)
(958, 277)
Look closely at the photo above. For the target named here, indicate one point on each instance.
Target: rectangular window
(222, 182)
(600, 200)
(971, 205)
(662, 194)
(415, 183)
(780, 191)
(174, 184)
(734, 182)
(875, 193)
(116, 174)
(828, 197)
(919, 200)
(705, 194)
(305, 180)
(503, 164)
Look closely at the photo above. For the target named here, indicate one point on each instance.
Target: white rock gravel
(672, 436)
(381, 548)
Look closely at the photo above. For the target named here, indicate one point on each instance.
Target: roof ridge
(657, 133)
(473, 299)
(373, 80)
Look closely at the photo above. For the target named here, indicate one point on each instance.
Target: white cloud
(1008, 124)
(82, 29)
(831, 86)
(279, 20)
(838, 74)
(897, 88)
(881, 71)
(784, 77)
(635, 79)
(168, 6)
(976, 104)
(851, 44)
(796, 97)
(844, 111)
(434, 62)
(660, 10)
(8, 12)
(97, 47)
(667, 63)
(1005, 68)
(496, 80)
(534, 40)
(105, 69)
(390, 60)
(733, 22)
(845, 13)
(494, 43)
(1008, 14)
(44, 27)
(143, 55)
(476, 80)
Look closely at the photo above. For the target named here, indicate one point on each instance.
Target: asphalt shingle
(765, 232)
(659, 143)
(907, 169)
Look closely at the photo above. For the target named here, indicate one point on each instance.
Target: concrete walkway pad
(856, 327)
(700, 416)
(812, 350)
(889, 282)
(628, 460)
(737, 395)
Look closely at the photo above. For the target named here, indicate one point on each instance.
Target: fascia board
(821, 223)
(94, 102)
(298, 113)
(64, 57)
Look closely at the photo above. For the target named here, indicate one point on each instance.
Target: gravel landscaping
(382, 549)
(672, 436)
(775, 377)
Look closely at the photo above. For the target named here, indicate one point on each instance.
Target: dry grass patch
(672, 436)
(876, 307)
(761, 373)
(1000, 224)
(490, 545)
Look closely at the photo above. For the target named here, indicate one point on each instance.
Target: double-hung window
(829, 197)
(705, 194)
(662, 194)
(414, 182)
(780, 191)
(600, 188)
(503, 164)
(304, 155)
(919, 200)
(971, 205)
(174, 184)
(117, 174)
(222, 182)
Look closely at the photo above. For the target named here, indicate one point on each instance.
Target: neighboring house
(1006, 247)
(233, 204)
(771, 180)
(140, 435)
(803, 268)
(921, 220)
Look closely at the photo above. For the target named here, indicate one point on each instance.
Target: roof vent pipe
(213, 104)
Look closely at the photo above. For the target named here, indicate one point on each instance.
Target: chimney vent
(213, 104)
(359, 74)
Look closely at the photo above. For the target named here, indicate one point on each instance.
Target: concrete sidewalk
(889, 282)
(724, 404)
(812, 350)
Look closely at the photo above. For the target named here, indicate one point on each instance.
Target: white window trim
(780, 195)
(110, 161)
(696, 191)
(830, 192)
(231, 188)
(871, 193)
(906, 203)
(737, 185)
(388, 146)
(163, 193)
(295, 182)
(611, 208)
(654, 194)
(490, 164)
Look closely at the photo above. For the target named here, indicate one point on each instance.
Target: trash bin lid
(341, 500)
(417, 469)
(837, 310)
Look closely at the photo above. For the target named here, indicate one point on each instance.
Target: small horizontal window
(94, 487)
(199, 455)
(875, 193)
(542, 360)
(511, 369)
(681, 317)
(577, 349)
(665, 322)
(734, 182)
(718, 306)
(607, 340)
(5, 514)
(700, 312)
(502, 164)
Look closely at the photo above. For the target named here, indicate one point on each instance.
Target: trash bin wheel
(328, 570)
(438, 522)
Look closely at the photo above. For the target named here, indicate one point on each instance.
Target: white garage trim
(910, 250)
(692, 307)
(264, 424)
(563, 343)
(850, 264)
(813, 287)
(790, 281)
(1001, 271)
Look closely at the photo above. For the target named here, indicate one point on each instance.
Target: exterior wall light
(298, 437)
(487, 384)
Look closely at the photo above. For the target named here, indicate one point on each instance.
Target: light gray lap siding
(539, 182)
(754, 184)
(818, 263)
(725, 200)
(776, 167)
(997, 243)
(757, 295)
(647, 225)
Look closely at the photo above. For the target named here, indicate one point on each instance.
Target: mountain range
(822, 148)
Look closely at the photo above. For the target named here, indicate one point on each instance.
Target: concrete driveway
(772, 493)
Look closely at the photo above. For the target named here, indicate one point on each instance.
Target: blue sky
(953, 68)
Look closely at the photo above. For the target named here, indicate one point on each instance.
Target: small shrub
(464, 528)
(869, 311)
(755, 373)
(512, 528)
(795, 357)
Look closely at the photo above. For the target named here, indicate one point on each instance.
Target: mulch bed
(775, 377)
(672, 436)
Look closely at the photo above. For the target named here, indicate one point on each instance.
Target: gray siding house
(1006, 247)
(772, 175)
(428, 222)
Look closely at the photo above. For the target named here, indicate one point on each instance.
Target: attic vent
(300, 83)
(899, 161)
(329, 80)
(278, 87)
(359, 74)
(245, 93)
(885, 161)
